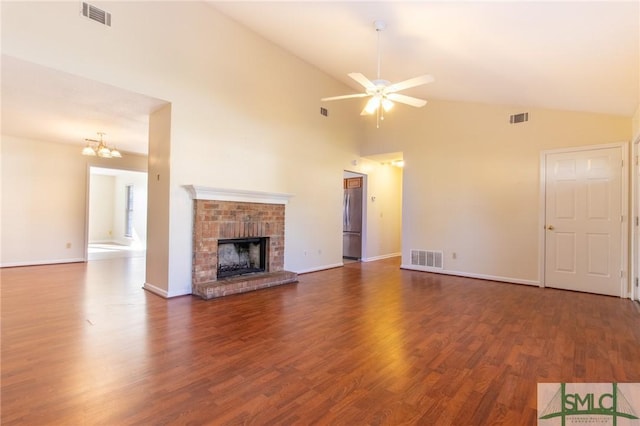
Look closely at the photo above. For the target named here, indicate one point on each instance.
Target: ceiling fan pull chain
(378, 32)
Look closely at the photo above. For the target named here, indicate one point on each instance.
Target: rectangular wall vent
(429, 258)
(96, 14)
(519, 118)
(324, 111)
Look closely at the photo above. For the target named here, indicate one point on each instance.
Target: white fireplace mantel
(239, 195)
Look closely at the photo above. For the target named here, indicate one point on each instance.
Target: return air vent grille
(519, 118)
(96, 14)
(429, 258)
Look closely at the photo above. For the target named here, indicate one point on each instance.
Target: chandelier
(99, 148)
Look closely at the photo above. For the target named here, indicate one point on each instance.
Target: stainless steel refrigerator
(352, 219)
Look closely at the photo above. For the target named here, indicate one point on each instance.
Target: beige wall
(101, 208)
(107, 208)
(636, 124)
(138, 182)
(382, 225)
(471, 179)
(384, 212)
(158, 199)
(244, 114)
(44, 200)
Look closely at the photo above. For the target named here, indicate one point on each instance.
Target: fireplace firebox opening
(242, 256)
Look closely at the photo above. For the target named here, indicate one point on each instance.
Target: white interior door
(635, 293)
(636, 236)
(583, 215)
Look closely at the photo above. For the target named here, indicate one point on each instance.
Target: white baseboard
(41, 262)
(164, 293)
(384, 256)
(472, 275)
(319, 268)
(338, 265)
(156, 290)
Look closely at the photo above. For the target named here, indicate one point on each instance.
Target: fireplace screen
(241, 256)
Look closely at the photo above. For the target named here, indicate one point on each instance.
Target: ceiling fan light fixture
(383, 93)
(372, 105)
(115, 153)
(387, 105)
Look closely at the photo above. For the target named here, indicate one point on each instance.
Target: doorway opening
(353, 214)
(117, 213)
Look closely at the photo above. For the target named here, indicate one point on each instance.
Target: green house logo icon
(588, 404)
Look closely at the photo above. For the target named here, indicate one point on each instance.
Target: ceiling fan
(383, 94)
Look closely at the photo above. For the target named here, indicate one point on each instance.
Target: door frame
(346, 173)
(625, 279)
(88, 198)
(635, 215)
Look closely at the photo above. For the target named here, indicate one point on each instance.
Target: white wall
(244, 114)
(260, 131)
(471, 180)
(157, 262)
(138, 182)
(382, 209)
(636, 124)
(107, 201)
(44, 200)
(101, 208)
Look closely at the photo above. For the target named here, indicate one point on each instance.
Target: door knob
(550, 228)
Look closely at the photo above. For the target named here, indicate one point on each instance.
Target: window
(128, 215)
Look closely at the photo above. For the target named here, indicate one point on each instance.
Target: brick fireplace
(228, 216)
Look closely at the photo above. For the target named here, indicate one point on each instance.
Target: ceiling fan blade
(335, 98)
(404, 99)
(364, 81)
(412, 82)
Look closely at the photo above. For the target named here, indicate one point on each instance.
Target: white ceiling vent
(428, 258)
(519, 118)
(96, 14)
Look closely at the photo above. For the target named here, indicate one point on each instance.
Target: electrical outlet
(454, 255)
(68, 245)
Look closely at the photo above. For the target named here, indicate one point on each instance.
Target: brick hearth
(219, 219)
(243, 283)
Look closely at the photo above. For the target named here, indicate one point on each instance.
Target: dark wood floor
(364, 344)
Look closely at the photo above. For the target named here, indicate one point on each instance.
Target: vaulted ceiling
(573, 55)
